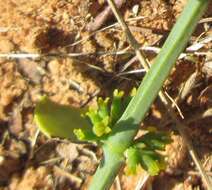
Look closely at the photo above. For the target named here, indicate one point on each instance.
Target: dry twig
(142, 181)
(102, 17)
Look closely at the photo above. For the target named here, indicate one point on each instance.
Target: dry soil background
(29, 160)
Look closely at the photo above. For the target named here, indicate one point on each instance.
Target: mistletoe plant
(114, 124)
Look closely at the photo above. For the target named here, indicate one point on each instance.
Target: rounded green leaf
(56, 120)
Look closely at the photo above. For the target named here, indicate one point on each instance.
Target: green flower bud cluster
(104, 116)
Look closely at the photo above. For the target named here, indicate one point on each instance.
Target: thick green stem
(127, 126)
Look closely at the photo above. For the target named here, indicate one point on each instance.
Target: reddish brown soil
(28, 162)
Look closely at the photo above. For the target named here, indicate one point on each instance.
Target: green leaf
(143, 152)
(155, 140)
(93, 116)
(116, 106)
(102, 127)
(103, 110)
(86, 135)
(128, 98)
(56, 120)
(132, 160)
(149, 160)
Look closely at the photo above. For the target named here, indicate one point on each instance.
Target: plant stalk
(127, 127)
(163, 95)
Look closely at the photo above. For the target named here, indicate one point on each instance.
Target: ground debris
(68, 151)
(12, 154)
(12, 86)
(39, 178)
(30, 69)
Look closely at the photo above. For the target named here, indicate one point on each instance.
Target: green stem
(126, 128)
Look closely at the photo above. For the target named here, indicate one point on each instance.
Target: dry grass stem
(118, 183)
(142, 181)
(68, 175)
(102, 17)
